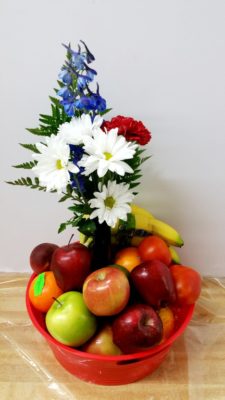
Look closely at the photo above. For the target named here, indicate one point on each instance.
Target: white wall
(159, 61)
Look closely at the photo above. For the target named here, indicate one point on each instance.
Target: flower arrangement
(119, 291)
(83, 157)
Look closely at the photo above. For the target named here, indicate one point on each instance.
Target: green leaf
(127, 225)
(145, 159)
(38, 131)
(80, 208)
(105, 112)
(31, 147)
(64, 198)
(39, 284)
(62, 227)
(87, 227)
(55, 101)
(29, 183)
(27, 165)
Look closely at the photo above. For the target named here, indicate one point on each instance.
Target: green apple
(69, 321)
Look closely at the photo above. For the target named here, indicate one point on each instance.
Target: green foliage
(31, 147)
(49, 124)
(134, 163)
(26, 165)
(27, 182)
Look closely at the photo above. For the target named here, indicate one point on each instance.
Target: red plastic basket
(108, 370)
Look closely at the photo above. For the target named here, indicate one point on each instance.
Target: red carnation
(128, 127)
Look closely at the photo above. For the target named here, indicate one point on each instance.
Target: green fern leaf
(31, 147)
(26, 165)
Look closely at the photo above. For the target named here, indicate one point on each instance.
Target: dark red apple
(71, 265)
(153, 280)
(106, 291)
(137, 328)
(40, 257)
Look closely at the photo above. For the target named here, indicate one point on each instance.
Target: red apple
(153, 280)
(137, 328)
(40, 257)
(106, 291)
(102, 343)
(71, 265)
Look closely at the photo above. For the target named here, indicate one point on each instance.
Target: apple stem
(57, 301)
(71, 237)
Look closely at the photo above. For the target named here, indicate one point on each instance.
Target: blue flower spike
(76, 75)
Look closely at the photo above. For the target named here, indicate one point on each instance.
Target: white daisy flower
(73, 132)
(53, 164)
(111, 203)
(106, 152)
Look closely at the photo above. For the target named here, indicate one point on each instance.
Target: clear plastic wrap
(194, 368)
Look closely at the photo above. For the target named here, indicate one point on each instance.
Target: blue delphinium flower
(65, 93)
(82, 82)
(68, 105)
(76, 155)
(76, 75)
(65, 76)
(89, 55)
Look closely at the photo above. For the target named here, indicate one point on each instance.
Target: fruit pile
(122, 308)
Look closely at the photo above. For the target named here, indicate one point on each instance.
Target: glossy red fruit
(71, 265)
(154, 283)
(137, 328)
(154, 248)
(40, 257)
(106, 291)
(187, 283)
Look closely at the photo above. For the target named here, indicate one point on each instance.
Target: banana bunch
(145, 224)
(144, 221)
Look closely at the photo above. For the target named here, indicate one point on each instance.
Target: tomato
(187, 283)
(153, 247)
(43, 290)
(128, 257)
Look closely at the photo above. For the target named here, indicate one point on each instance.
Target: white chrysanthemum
(106, 152)
(73, 132)
(53, 164)
(112, 203)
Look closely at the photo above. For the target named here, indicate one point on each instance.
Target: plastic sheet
(194, 368)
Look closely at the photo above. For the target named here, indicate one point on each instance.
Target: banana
(146, 223)
(85, 239)
(139, 210)
(174, 255)
(166, 232)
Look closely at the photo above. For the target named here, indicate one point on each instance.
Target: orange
(167, 317)
(43, 290)
(128, 258)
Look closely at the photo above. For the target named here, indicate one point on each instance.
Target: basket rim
(124, 357)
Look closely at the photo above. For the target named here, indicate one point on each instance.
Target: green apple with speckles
(69, 321)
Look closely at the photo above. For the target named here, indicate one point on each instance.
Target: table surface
(193, 370)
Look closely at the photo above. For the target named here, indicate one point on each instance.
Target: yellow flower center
(58, 164)
(109, 202)
(107, 155)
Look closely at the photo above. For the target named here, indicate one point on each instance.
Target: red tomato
(153, 247)
(187, 283)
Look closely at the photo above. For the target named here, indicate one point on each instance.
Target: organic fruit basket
(111, 304)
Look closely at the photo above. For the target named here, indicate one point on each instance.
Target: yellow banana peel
(167, 233)
(174, 255)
